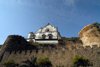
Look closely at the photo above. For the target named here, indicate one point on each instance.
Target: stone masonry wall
(90, 35)
(58, 57)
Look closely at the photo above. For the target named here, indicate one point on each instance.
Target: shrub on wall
(81, 61)
(73, 39)
(10, 63)
(29, 63)
(96, 24)
(43, 62)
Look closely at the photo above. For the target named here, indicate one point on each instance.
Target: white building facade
(47, 34)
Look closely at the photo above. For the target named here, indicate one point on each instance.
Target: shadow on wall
(16, 43)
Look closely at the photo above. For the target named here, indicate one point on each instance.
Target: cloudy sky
(19, 17)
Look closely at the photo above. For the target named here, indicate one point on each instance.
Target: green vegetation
(96, 24)
(45, 62)
(10, 63)
(61, 42)
(81, 61)
(73, 39)
(42, 62)
(30, 63)
(35, 44)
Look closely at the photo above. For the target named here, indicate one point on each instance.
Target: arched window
(43, 36)
(50, 36)
(47, 30)
(33, 36)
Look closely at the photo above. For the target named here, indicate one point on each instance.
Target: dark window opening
(43, 36)
(50, 36)
(47, 30)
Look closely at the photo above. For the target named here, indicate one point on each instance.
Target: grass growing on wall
(43, 45)
(81, 61)
(10, 63)
(96, 24)
(73, 39)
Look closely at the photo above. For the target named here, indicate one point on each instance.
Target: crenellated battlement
(43, 50)
(58, 56)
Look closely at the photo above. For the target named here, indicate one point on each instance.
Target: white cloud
(70, 2)
(12, 2)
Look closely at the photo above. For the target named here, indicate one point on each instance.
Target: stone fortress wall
(90, 35)
(15, 47)
(58, 57)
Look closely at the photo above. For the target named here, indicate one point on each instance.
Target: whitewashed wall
(39, 35)
(51, 42)
(51, 28)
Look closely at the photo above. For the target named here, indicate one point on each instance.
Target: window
(50, 36)
(47, 30)
(43, 36)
